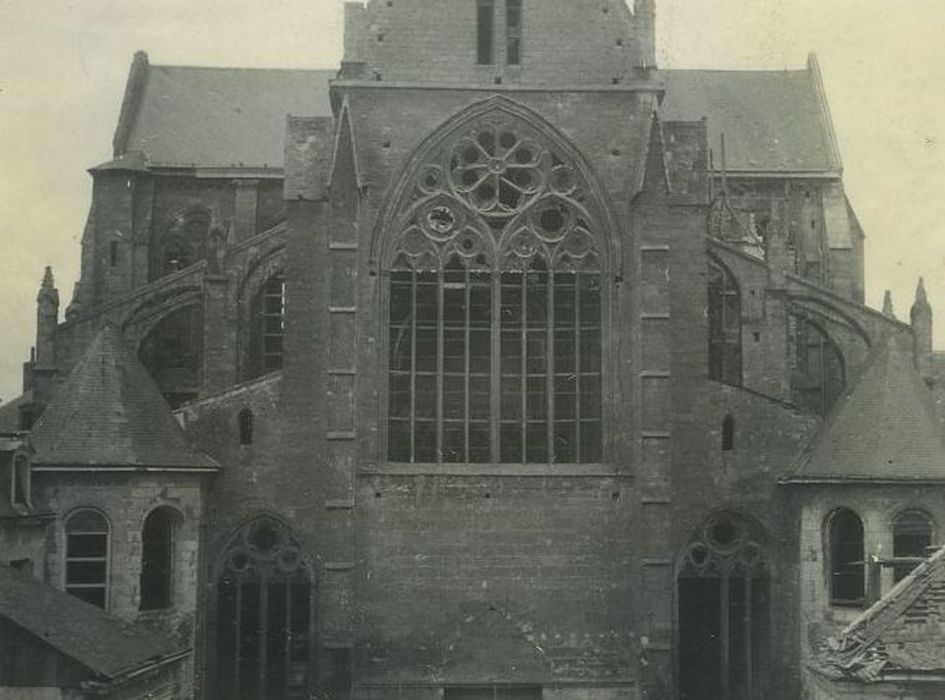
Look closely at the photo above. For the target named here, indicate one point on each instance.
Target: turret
(920, 317)
(47, 318)
(888, 311)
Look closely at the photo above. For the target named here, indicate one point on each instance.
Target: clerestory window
(513, 32)
(725, 326)
(268, 327)
(496, 310)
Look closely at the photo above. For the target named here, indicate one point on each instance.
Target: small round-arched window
(87, 556)
(912, 537)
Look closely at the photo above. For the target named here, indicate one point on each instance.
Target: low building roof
(901, 633)
(105, 645)
(884, 428)
(109, 413)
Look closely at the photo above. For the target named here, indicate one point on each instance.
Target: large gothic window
(263, 617)
(725, 326)
(495, 307)
(267, 319)
(817, 379)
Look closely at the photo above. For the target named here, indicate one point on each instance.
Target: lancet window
(495, 306)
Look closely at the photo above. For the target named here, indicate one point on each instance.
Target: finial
(921, 305)
(48, 280)
(47, 290)
(888, 305)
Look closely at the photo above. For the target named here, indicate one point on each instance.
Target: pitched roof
(901, 632)
(773, 121)
(109, 413)
(883, 428)
(10, 411)
(220, 117)
(100, 642)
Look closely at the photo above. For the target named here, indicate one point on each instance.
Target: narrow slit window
(485, 22)
(513, 32)
(728, 433)
(113, 253)
(245, 421)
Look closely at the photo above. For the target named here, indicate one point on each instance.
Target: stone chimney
(921, 320)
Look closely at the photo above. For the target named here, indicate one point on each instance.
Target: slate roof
(105, 645)
(109, 413)
(902, 632)
(221, 117)
(773, 121)
(883, 428)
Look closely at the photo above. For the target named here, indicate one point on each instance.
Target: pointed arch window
(263, 616)
(268, 327)
(912, 536)
(818, 376)
(86, 562)
(496, 308)
(725, 326)
(846, 559)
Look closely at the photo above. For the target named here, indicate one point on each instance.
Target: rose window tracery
(724, 547)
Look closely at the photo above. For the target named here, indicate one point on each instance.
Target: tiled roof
(883, 428)
(773, 121)
(902, 632)
(10, 411)
(221, 117)
(105, 645)
(109, 413)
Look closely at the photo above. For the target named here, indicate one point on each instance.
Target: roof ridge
(247, 69)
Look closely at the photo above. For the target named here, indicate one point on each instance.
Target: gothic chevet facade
(474, 368)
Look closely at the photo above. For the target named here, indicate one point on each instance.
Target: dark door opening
(723, 611)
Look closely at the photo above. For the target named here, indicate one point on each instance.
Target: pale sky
(63, 65)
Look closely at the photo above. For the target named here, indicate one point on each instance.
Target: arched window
(245, 421)
(728, 433)
(725, 326)
(912, 536)
(817, 379)
(181, 244)
(157, 559)
(495, 307)
(86, 560)
(263, 616)
(172, 354)
(267, 319)
(846, 559)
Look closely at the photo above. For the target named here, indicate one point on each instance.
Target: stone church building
(496, 363)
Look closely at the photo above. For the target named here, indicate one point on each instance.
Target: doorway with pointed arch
(723, 611)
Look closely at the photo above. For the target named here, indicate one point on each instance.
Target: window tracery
(495, 277)
(263, 615)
